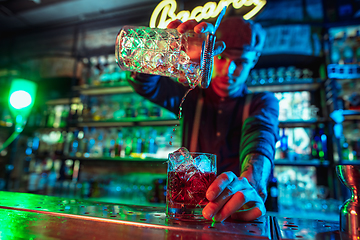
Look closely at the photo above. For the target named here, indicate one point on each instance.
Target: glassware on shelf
(296, 106)
(294, 144)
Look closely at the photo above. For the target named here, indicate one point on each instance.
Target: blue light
(323, 137)
(28, 151)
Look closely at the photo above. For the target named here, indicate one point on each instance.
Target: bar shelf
(300, 123)
(129, 122)
(306, 85)
(349, 162)
(305, 163)
(351, 115)
(303, 85)
(102, 90)
(117, 159)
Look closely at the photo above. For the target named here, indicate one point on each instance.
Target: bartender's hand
(234, 196)
(202, 27)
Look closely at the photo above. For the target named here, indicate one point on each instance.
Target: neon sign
(166, 11)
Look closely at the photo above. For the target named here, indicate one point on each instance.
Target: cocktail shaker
(350, 210)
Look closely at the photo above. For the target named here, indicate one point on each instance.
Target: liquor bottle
(138, 142)
(83, 141)
(284, 145)
(60, 144)
(129, 108)
(348, 54)
(142, 110)
(65, 116)
(128, 143)
(97, 150)
(323, 153)
(335, 53)
(151, 146)
(52, 177)
(314, 141)
(74, 144)
(119, 142)
(51, 118)
(68, 138)
(271, 202)
(105, 77)
(58, 109)
(345, 149)
(91, 143)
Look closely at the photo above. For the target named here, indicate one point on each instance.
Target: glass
(189, 175)
(163, 52)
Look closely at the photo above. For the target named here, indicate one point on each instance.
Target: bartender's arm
(243, 197)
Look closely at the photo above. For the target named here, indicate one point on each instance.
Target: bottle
(91, 143)
(142, 110)
(105, 77)
(74, 144)
(344, 149)
(129, 108)
(128, 143)
(314, 141)
(83, 141)
(60, 144)
(52, 178)
(151, 146)
(119, 142)
(137, 142)
(323, 154)
(58, 109)
(283, 145)
(271, 202)
(51, 118)
(97, 150)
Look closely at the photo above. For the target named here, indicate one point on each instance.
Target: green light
(20, 99)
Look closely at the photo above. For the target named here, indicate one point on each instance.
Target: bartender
(239, 126)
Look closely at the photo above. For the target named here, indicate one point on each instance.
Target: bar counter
(31, 216)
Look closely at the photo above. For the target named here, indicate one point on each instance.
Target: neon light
(164, 12)
(20, 99)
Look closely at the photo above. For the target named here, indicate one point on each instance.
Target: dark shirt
(221, 131)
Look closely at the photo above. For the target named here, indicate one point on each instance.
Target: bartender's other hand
(233, 196)
(202, 27)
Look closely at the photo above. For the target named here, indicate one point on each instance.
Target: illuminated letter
(238, 3)
(220, 7)
(259, 4)
(168, 8)
(208, 10)
(196, 13)
(183, 16)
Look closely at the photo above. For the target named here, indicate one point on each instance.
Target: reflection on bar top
(45, 217)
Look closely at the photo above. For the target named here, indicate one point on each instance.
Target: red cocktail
(189, 177)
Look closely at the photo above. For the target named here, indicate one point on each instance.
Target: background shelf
(309, 163)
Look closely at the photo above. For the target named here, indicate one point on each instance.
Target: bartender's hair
(238, 33)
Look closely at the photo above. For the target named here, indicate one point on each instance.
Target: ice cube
(188, 169)
(180, 157)
(183, 151)
(203, 163)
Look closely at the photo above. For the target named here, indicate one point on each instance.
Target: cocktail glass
(189, 175)
(163, 52)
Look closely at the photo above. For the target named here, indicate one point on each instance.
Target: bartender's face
(231, 70)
